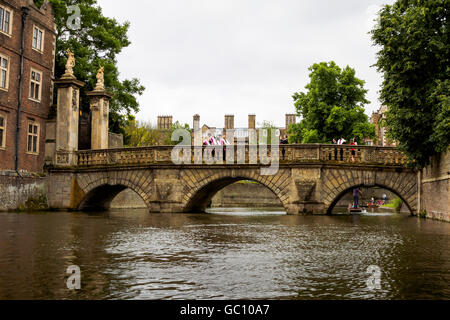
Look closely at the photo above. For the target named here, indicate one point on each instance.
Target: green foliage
(97, 43)
(36, 203)
(295, 133)
(142, 134)
(423, 214)
(396, 204)
(177, 125)
(333, 106)
(247, 182)
(414, 37)
(38, 3)
(271, 132)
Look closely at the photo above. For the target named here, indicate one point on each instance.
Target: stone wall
(115, 141)
(241, 195)
(26, 192)
(245, 195)
(434, 195)
(128, 199)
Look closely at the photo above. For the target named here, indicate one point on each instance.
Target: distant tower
(290, 119)
(252, 121)
(164, 122)
(197, 136)
(196, 125)
(229, 121)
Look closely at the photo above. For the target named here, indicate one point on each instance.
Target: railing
(242, 155)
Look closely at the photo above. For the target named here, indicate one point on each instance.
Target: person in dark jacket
(356, 193)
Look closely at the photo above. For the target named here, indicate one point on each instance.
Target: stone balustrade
(289, 154)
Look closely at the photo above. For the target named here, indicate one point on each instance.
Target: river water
(238, 254)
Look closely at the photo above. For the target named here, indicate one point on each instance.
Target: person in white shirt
(222, 142)
(212, 141)
(341, 141)
(206, 141)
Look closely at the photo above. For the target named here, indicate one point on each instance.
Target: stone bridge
(311, 178)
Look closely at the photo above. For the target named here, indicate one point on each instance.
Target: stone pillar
(196, 124)
(99, 103)
(251, 121)
(197, 132)
(290, 119)
(68, 113)
(229, 121)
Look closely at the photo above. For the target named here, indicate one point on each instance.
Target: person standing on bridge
(353, 143)
(335, 150)
(340, 142)
(223, 142)
(206, 141)
(284, 140)
(212, 141)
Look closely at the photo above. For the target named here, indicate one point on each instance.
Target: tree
(414, 37)
(271, 132)
(96, 43)
(333, 106)
(168, 134)
(142, 134)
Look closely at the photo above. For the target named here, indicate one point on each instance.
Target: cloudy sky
(217, 57)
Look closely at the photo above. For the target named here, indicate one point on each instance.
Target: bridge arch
(402, 184)
(199, 194)
(343, 193)
(99, 190)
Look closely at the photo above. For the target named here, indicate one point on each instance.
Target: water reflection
(235, 254)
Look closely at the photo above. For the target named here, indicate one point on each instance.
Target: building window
(35, 85)
(5, 20)
(2, 131)
(38, 37)
(4, 72)
(33, 138)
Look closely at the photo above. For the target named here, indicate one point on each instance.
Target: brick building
(25, 92)
(381, 130)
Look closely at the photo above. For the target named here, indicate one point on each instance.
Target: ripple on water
(135, 255)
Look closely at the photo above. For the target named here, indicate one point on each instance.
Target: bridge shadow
(204, 195)
(100, 198)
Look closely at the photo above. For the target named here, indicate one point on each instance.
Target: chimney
(229, 121)
(159, 125)
(290, 119)
(252, 121)
(196, 125)
(164, 122)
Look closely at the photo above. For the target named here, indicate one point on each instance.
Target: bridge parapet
(288, 154)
